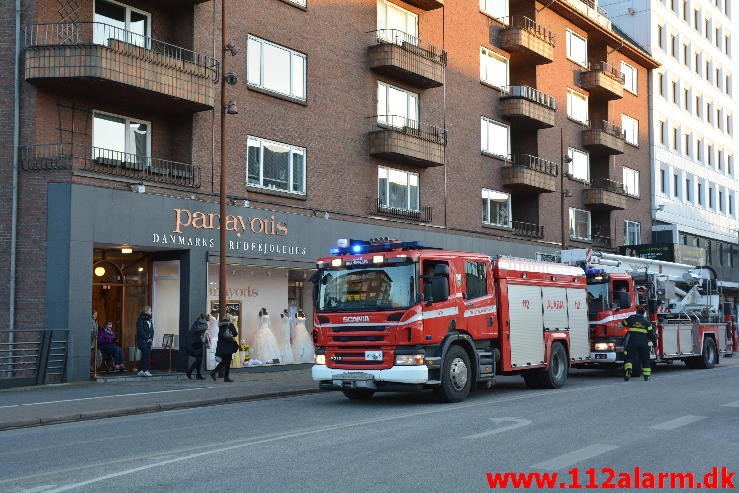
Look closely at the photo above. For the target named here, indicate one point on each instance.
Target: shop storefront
(117, 251)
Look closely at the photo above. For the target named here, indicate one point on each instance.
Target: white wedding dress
(302, 343)
(265, 347)
(283, 340)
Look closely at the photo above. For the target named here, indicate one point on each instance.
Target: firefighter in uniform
(639, 339)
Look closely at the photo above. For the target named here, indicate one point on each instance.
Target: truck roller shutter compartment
(527, 325)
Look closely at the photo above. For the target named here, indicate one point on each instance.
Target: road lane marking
(677, 423)
(732, 404)
(574, 457)
(102, 397)
(517, 423)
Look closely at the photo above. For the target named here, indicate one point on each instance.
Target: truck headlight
(409, 359)
(319, 359)
(604, 346)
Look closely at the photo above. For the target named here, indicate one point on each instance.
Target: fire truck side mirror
(440, 283)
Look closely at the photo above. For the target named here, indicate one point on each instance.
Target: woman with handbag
(226, 346)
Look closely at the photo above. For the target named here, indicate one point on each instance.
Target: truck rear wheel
(709, 355)
(358, 394)
(456, 376)
(555, 375)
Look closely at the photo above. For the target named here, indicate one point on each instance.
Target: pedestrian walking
(144, 337)
(195, 345)
(227, 345)
(639, 339)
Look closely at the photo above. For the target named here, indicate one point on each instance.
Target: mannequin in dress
(283, 338)
(265, 347)
(210, 360)
(237, 360)
(302, 343)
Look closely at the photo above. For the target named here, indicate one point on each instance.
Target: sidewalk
(118, 395)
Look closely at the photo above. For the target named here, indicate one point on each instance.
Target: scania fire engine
(682, 301)
(392, 316)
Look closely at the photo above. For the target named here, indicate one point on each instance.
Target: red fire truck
(682, 301)
(392, 316)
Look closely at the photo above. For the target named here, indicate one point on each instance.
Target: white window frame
(128, 144)
(256, 74)
(130, 37)
(490, 66)
(488, 140)
(386, 172)
(385, 29)
(396, 117)
(504, 212)
(630, 127)
(494, 9)
(631, 181)
(577, 106)
(585, 216)
(631, 77)
(292, 150)
(579, 167)
(632, 233)
(573, 54)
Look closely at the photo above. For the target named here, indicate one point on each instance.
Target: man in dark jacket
(225, 348)
(144, 337)
(639, 338)
(195, 345)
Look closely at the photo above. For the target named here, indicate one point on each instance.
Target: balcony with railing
(527, 229)
(527, 107)
(603, 81)
(607, 139)
(605, 194)
(426, 4)
(98, 60)
(405, 141)
(529, 40)
(527, 173)
(592, 11)
(377, 208)
(406, 58)
(93, 161)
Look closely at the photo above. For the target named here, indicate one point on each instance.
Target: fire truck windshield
(373, 287)
(597, 296)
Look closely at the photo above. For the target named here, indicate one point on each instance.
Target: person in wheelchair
(107, 345)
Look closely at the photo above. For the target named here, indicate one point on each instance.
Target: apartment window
(121, 22)
(729, 125)
(630, 127)
(730, 165)
(579, 224)
(698, 107)
(676, 185)
(396, 107)
(391, 19)
(275, 166)
(662, 132)
(497, 9)
(275, 68)
(688, 190)
(676, 138)
(632, 233)
(688, 147)
(496, 208)
(495, 138)
(577, 48)
(731, 204)
(577, 106)
(120, 138)
(720, 119)
(686, 99)
(663, 181)
(697, 20)
(721, 160)
(718, 79)
(675, 7)
(631, 181)
(580, 164)
(697, 67)
(728, 85)
(717, 38)
(661, 84)
(710, 155)
(686, 55)
(708, 71)
(686, 11)
(709, 112)
(673, 45)
(700, 194)
(674, 93)
(710, 197)
(630, 77)
(721, 200)
(699, 150)
(708, 29)
(493, 68)
(660, 36)
(727, 45)
(397, 189)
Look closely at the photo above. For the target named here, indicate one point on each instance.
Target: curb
(152, 408)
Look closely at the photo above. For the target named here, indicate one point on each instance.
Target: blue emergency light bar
(348, 246)
(594, 272)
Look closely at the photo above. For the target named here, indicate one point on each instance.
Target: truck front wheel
(456, 376)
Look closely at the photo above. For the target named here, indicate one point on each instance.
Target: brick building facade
(441, 121)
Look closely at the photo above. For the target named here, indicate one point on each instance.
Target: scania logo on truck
(364, 318)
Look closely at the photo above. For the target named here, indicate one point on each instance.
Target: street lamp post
(222, 187)
(562, 193)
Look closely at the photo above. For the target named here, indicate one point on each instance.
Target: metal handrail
(401, 124)
(408, 43)
(79, 157)
(98, 33)
(528, 229)
(536, 163)
(424, 214)
(530, 26)
(33, 355)
(611, 128)
(530, 94)
(608, 185)
(607, 69)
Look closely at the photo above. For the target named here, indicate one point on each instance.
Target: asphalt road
(684, 421)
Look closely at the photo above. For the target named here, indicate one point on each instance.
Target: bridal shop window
(166, 302)
(274, 320)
